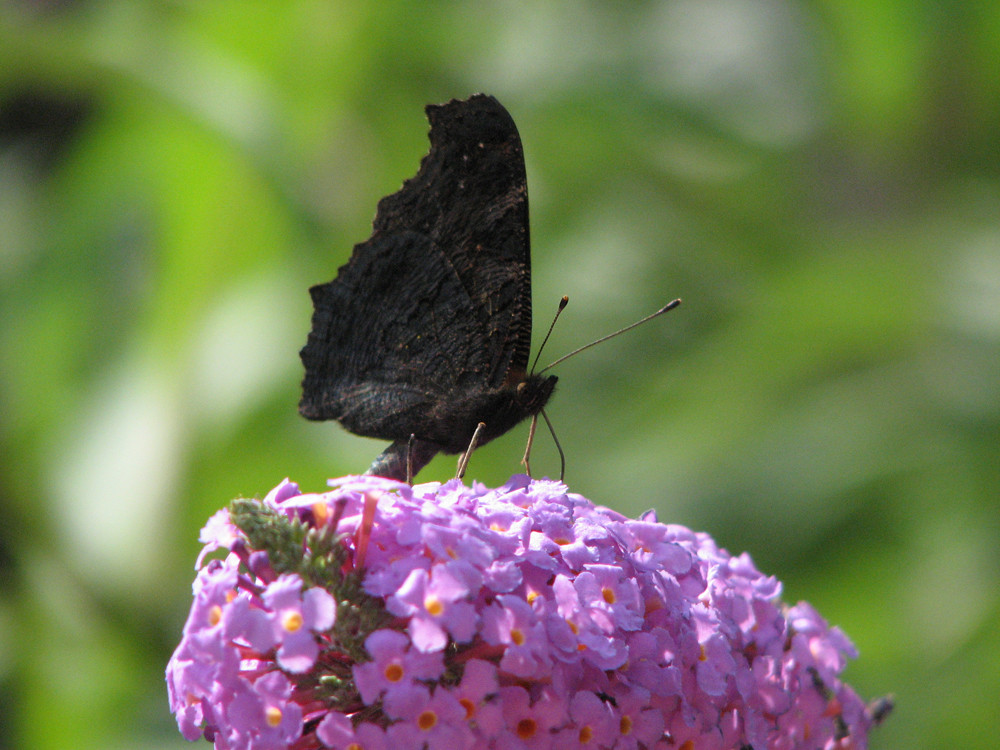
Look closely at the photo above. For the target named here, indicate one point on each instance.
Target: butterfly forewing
(470, 198)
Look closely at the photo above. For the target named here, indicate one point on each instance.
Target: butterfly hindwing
(376, 350)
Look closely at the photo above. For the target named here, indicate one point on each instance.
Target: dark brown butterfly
(427, 329)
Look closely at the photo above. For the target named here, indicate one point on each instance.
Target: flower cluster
(381, 615)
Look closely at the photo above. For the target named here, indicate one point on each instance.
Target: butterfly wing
(438, 301)
(471, 198)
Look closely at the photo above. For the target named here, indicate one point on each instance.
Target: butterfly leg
(463, 460)
(409, 459)
(562, 456)
(403, 459)
(527, 448)
(531, 438)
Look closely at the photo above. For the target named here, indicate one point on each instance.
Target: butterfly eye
(522, 388)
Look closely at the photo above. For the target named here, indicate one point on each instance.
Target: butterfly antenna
(562, 306)
(666, 308)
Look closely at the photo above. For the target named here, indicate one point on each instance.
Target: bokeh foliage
(819, 181)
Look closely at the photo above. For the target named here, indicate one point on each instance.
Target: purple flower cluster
(511, 618)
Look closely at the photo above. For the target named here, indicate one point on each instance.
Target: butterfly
(426, 331)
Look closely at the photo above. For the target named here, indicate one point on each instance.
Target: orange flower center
(292, 621)
(469, 706)
(427, 720)
(625, 726)
(433, 606)
(526, 728)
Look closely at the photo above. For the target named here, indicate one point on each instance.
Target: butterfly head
(534, 392)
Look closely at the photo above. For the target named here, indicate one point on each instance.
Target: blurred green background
(820, 182)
